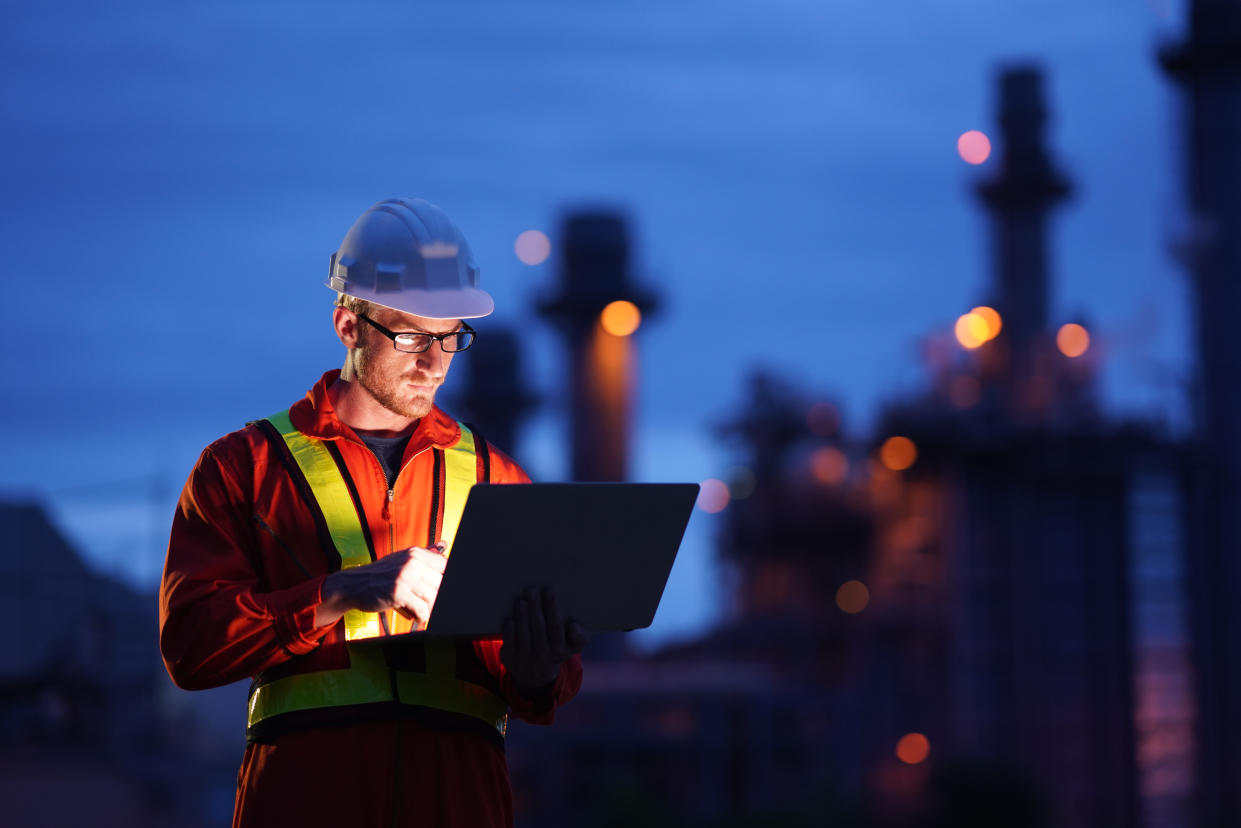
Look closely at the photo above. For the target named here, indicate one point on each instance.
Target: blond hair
(356, 305)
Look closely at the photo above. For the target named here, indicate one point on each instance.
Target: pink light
(713, 497)
(533, 247)
(974, 147)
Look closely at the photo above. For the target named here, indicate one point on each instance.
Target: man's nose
(432, 360)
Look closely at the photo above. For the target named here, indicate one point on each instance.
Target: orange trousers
(374, 774)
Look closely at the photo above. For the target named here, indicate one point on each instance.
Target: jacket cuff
(293, 611)
(539, 706)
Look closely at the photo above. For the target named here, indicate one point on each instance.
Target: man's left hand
(537, 640)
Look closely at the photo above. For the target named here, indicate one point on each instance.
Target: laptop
(605, 549)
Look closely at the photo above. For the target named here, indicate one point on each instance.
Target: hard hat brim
(458, 303)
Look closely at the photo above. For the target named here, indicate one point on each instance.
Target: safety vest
(370, 678)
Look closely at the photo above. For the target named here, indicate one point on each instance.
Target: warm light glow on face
(620, 318)
(913, 748)
(830, 465)
(972, 330)
(898, 453)
(713, 496)
(852, 597)
(532, 247)
(823, 419)
(974, 147)
(964, 391)
(990, 316)
(1073, 340)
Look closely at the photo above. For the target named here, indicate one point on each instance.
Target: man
(305, 543)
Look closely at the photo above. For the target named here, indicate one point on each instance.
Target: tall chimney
(594, 274)
(1019, 198)
(1207, 65)
(495, 396)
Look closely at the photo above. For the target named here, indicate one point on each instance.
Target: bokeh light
(620, 318)
(913, 748)
(1073, 340)
(713, 496)
(898, 453)
(532, 247)
(991, 317)
(852, 597)
(974, 147)
(830, 465)
(972, 330)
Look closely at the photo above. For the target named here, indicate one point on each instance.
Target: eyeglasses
(415, 342)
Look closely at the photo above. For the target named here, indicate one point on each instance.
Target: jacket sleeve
(542, 709)
(216, 625)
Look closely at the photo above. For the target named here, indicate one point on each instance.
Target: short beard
(419, 408)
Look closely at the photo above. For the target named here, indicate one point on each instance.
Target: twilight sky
(176, 176)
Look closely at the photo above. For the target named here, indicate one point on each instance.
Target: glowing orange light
(823, 419)
(974, 147)
(829, 465)
(532, 247)
(1073, 340)
(990, 316)
(620, 318)
(713, 496)
(913, 748)
(852, 597)
(972, 330)
(964, 391)
(898, 453)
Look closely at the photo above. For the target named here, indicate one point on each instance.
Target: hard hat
(405, 254)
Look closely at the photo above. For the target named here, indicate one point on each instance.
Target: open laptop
(605, 549)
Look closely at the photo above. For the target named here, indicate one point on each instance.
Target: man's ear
(345, 322)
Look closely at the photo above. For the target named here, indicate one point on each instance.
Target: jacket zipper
(386, 511)
(388, 619)
(388, 517)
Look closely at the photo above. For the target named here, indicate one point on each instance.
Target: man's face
(405, 384)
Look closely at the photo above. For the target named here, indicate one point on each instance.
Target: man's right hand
(406, 581)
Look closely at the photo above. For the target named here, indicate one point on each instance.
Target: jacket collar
(315, 417)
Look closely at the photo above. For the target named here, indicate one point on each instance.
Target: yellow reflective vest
(377, 676)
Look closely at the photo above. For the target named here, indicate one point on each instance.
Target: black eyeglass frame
(429, 337)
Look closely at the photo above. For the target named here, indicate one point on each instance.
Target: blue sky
(176, 176)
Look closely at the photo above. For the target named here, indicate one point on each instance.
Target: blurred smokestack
(496, 397)
(1207, 65)
(594, 274)
(1019, 198)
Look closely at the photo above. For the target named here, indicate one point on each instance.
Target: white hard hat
(404, 253)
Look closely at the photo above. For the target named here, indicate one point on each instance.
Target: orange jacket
(247, 557)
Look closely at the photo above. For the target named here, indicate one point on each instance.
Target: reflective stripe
(338, 512)
(363, 682)
(368, 679)
(460, 472)
(454, 695)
